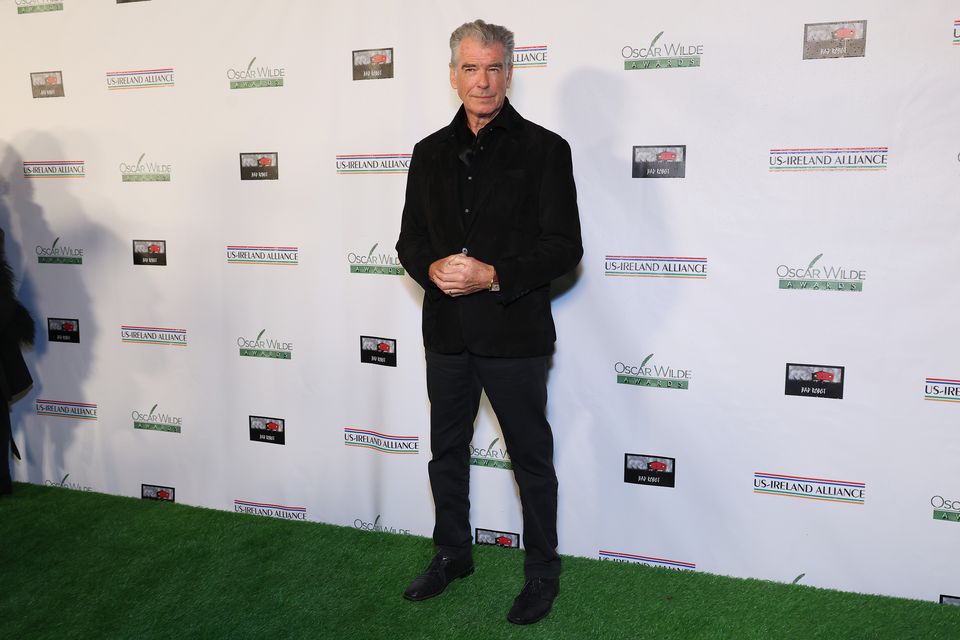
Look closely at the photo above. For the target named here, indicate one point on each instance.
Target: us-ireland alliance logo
(809, 488)
(655, 267)
(381, 442)
(942, 390)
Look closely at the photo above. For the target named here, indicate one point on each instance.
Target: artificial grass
(88, 565)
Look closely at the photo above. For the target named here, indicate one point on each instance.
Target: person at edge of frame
(16, 328)
(490, 219)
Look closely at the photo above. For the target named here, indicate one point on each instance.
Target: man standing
(490, 219)
(16, 327)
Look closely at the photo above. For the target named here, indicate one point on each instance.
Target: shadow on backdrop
(59, 370)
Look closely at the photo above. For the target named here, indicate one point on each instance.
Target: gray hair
(486, 33)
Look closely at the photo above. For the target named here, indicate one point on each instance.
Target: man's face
(481, 78)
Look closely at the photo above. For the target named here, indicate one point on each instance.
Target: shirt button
(469, 177)
(481, 148)
(466, 210)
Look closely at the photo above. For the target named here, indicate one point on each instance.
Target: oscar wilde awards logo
(63, 254)
(375, 163)
(656, 267)
(376, 526)
(267, 510)
(38, 6)
(835, 40)
(956, 32)
(662, 563)
(820, 278)
(256, 77)
(264, 429)
(809, 488)
(75, 486)
(495, 538)
(150, 253)
(255, 254)
(814, 381)
(157, 492)
(381, 351)
(154, 421)
(381, 442)
(828, 159)
(64, 409)
(141, 171)
(33, 169)
(661, 55)
(140, 79)
(530, 57)
(63, 330)
(373, 64)
(47, 84)
(130, 334)
(384, 264)
(261, 347)
(640, 468)
(945, 509)
(660, 162)
(941, 390)
(260, 166)
(657, 375)
(490, 456)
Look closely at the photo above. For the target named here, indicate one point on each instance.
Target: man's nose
(484, 80)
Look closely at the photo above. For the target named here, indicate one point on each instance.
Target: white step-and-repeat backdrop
(756, 373)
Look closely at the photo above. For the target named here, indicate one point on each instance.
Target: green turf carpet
(88, 565)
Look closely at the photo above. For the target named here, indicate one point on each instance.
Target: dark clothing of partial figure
(16, 327)
(507, 198)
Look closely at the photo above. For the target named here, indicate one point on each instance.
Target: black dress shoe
(535, 600)
(442, 571)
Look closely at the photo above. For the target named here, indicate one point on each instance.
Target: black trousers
(517, 390)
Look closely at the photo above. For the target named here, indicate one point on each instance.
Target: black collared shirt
(474, 152)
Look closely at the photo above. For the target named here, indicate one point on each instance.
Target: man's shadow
(48, 290)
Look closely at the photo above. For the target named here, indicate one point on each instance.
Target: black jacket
(526, 225)
(16, 326)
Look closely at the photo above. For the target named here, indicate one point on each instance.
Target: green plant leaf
(797, 579)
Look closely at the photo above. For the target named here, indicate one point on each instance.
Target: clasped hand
(461, 275)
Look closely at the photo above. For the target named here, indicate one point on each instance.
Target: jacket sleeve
(413, 247)
(559, 246)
